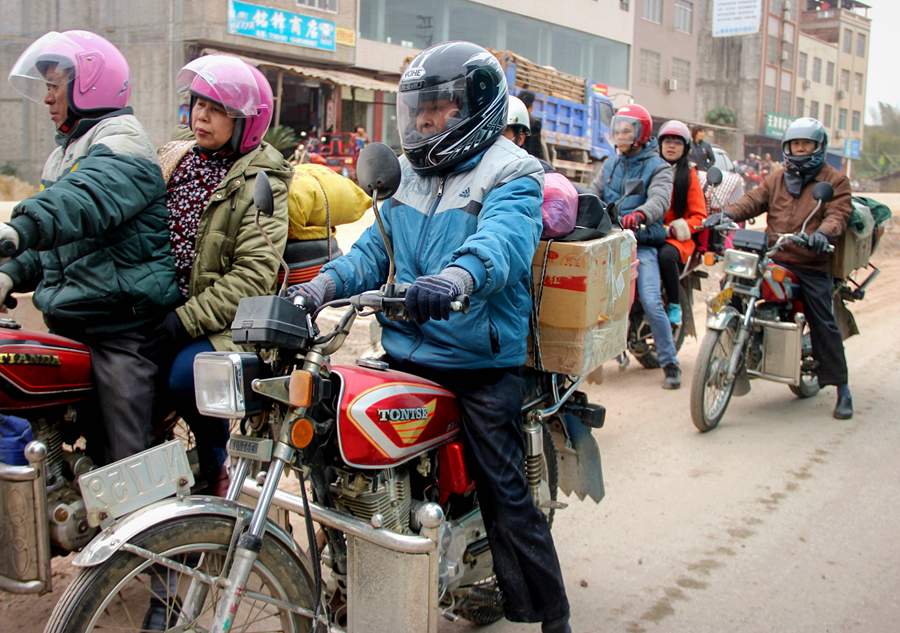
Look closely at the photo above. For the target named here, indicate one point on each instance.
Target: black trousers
(525, 560)
(669, 269)
(827, 342)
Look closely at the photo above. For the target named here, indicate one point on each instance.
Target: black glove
(715, 219)
(320, 289)
(429, 297)
(633, 220)
(818, 242)
(165, 340)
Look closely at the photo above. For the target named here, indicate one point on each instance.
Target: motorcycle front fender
(721, 319)
(578, 459)
(110, 540)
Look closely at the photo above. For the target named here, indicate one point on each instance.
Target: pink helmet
(675, 128)
(239, 88)
(97, 73)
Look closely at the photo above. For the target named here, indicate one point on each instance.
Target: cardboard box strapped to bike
(860, 239)
(583, 291)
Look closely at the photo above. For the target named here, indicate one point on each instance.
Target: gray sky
(883, 84)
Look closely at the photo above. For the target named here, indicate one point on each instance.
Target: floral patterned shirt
(190, 188)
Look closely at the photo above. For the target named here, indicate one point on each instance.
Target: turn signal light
(778, 274)
(709, 259)
(302, 433)
(300, 388)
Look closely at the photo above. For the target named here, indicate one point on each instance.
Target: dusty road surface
(782, 519)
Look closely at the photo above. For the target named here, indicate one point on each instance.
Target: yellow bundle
(317, 190)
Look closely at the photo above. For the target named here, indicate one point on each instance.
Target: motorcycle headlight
(222, 384)
(741, 264)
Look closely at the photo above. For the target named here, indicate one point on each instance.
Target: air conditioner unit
(787, 6)
(785, 57)
(838, 133)
(842, 94)
(671, 85)
(807, 84)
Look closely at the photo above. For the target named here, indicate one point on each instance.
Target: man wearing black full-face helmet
(786, 195)
(466, 220)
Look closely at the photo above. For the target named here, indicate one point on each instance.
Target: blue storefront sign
(284, 27)
(851, 149)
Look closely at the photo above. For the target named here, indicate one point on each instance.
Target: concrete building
(665, 58)
(333, 64)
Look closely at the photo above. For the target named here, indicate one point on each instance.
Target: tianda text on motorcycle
(351, 503)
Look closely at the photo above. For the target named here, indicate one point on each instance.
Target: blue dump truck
(575, 114)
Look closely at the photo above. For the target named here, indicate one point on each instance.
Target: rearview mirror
(262, 195)
(823, 191)
(714, 176)
(378, 169)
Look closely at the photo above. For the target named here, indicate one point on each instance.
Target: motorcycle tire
(712, 363)
(116, 594)
(650, 360)
(809, 382)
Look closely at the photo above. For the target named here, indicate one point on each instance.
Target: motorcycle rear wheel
(809, 382)
(116, 594)
(710, 394)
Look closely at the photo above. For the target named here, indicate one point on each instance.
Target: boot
(559, 625)
(843, 410)
(673, 376)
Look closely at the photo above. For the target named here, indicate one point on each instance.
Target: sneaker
(674, 312)
(673, 377)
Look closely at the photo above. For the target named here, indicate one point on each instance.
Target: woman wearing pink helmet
(210, 175)
(91, 243)
(685, 215)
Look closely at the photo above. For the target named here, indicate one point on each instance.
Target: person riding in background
(684, 217)
(220, 255)
(702, 154)
(533, 142)
(787, 196)
(638, 157)
(466, 220)
(93, 243)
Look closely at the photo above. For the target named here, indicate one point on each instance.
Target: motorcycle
(45, 380)
(394, 536)
(756, 327)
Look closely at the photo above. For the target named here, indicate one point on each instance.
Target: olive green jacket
(232, 258)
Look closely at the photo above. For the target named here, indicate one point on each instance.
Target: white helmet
(517, 114)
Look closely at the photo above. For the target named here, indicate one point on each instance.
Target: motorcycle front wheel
(710, 392)
(116, 595)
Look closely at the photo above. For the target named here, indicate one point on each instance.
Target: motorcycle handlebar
(377, 301)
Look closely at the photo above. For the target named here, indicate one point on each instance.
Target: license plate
(134, 482)
(721, 299)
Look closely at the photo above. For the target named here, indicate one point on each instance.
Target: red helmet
(637, 116)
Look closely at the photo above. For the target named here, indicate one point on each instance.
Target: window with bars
(829, 74)
(827, 118)
(817, 70)
(845, 80)
(653, 11)
(650, 63)
(802, 60)
(769, 99)
(681, 71)
(842, 118)
(324, 5)
(858, 83)
(857, 119)
(799, 107)
(785, 108)
(684, 16)
(860, 44)
(814, 109)
(848, 41)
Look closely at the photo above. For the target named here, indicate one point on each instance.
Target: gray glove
(818, 242)
(9, 241)
(320, 289)
(429, 297)
(6, 286)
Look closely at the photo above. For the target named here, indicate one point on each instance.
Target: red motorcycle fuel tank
(388, 417)
(40, 370)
